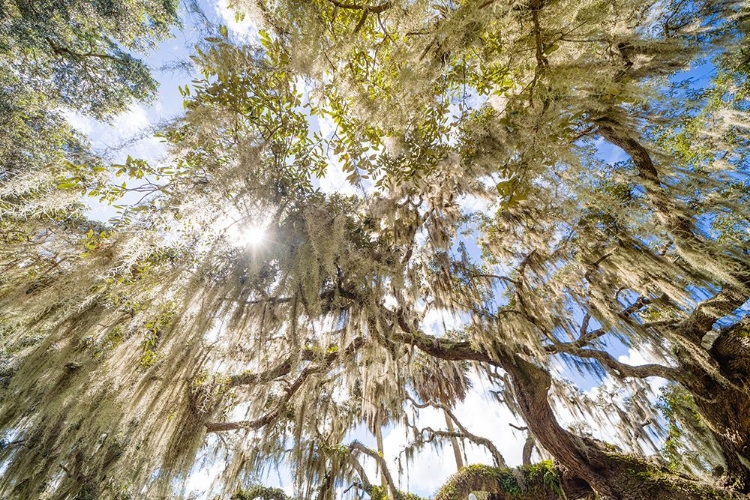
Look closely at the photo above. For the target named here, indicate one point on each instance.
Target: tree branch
(621, 370)
(707, 312)
(463, 432)
(365, 481)
(371, 9)
(585, 337)
(357, 446)
(289, 391)
(60, 51)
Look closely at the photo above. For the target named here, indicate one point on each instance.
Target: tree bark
(454, 442)
(614, 475)
(381, 452)
(724, 401)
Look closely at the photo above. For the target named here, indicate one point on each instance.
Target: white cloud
(437, 321)
(471, 204)
(128, 134)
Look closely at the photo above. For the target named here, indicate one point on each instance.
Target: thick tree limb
(271, 415)
(706, 313)
(624, 370)
(668, 212)
(249, 378)
(449, 350)
(61, 51)
(283, 368)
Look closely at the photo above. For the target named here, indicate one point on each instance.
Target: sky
(131, 134)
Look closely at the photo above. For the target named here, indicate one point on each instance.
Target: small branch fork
(528, 446)
(356, 446)
(579, 348)
(497, 457)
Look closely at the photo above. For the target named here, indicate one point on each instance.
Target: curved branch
(271, 415)
(283, 368)
(449, 350)
(365, 483)
(248, 378)
(707, 312)
(622, 370)
(497, 457)
(668, 212)
(289, 392)
(496, 277)
(59, 50)
(357, 446)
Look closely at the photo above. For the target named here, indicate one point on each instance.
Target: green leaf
(551, 48)
(265, 39)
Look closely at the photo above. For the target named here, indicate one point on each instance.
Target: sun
(254, 235)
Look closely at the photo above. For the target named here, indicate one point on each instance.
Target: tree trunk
(381, 452)
(454, 442)
(617, 476)
(723, 400)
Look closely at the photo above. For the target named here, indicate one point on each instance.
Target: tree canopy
(242, 312)
(78, 53)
